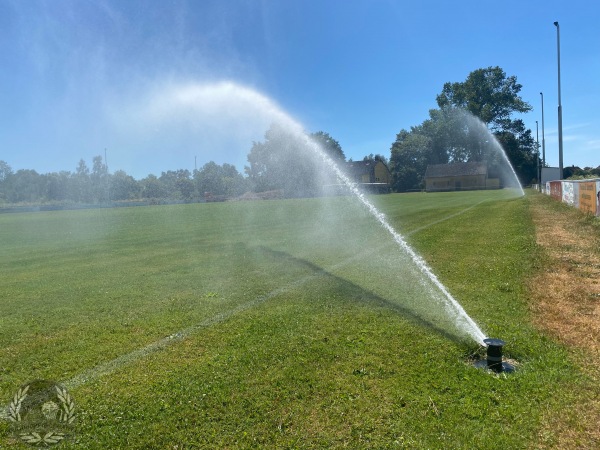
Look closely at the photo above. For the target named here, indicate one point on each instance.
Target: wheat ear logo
(42, 413)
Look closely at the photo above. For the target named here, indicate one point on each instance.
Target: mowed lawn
(279, 324)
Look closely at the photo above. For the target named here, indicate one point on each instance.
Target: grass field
(279, 324)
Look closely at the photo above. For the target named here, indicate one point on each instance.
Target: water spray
(217, 100)
(452, 306)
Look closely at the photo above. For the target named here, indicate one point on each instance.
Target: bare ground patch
(565, 301)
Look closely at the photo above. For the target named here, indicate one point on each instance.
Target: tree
(577, 173)
(57, 186)
(409, 159)
(99, 180)
(5, 173)
(123, 186)
(26, 186)
(441, 139)
(450, 135)
(153, 188)
(521, 150)
(209, 179)
(186, 188)
(233, 181)
(218, 180)
(81, 189)
(487, 94)
(178, 184)
(378, 157)
(330, 146)
(285, 161)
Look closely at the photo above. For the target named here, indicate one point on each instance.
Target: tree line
(275, 164)
(98, 186)
(458, 130)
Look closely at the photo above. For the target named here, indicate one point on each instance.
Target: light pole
(107, 177)
(560, 134)
(543, 138)
(537, 141)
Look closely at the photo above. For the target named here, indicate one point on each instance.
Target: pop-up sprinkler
(494, 356)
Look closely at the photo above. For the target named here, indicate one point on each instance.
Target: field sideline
(279, 324)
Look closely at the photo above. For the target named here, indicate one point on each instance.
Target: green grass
(304, 327)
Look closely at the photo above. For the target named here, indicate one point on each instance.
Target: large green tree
(410, 156)
(287, 161)
(330, 146)
(124, 187)
(153, 188)
(178, 184)
(215, 180)
(487, 94)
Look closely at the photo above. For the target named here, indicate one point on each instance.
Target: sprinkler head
(494, 354)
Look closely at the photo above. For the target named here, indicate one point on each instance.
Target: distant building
(458, 176)
(372, 175)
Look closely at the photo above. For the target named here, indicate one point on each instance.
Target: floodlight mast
(543, 137)
(537, 145)
(560, 131)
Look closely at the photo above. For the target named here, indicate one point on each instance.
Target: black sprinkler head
(494, 356)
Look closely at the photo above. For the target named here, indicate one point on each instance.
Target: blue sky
(165, 85)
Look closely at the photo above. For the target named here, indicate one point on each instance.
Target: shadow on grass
(311, 271)
(363, 295)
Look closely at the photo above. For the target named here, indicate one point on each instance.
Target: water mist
(197, 104)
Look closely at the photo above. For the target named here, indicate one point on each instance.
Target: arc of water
(453, 307)
(230, 94)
